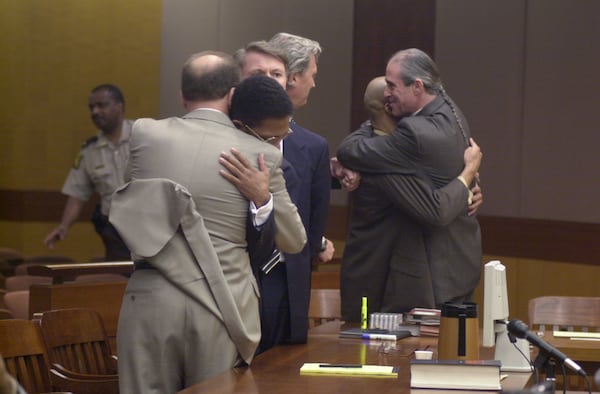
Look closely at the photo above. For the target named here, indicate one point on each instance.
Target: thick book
(455, 374)
(349, 369)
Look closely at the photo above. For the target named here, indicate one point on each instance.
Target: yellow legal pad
(363, 370)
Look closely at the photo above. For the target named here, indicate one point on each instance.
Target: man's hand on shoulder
(252, 182)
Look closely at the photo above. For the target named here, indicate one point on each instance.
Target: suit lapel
(293, 145)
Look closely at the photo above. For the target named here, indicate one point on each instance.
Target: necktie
(271, 262)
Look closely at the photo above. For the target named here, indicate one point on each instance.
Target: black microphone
(520, 330)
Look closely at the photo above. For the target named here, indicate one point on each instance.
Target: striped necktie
(271, 262)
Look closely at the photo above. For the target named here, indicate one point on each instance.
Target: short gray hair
(298, 50)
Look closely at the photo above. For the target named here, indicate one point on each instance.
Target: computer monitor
(495, 316)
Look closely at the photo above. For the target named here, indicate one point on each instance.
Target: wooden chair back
(9, 254)
(24, 282)
(76, 340)
(6, 314)
(23, 349)
(17, 302)
(24, 353)
(2, 293)
(8, 259)
(563, 312)
(325, 305)
(566, 313)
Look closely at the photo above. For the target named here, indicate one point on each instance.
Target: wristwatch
(323, 243)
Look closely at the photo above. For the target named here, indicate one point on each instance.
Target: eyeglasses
(268, 139)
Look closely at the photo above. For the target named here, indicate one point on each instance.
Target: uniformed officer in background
(99, 167)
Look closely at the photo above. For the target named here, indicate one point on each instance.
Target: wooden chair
(8, 259)
(77, 342)
(24, 282)
(566, 313)
(24, 352)
(325, 305)
(2, 293)
(561, 312)
(17, 302)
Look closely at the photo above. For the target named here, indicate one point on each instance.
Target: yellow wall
(53, 54)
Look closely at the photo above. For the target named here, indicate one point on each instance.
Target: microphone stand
(543, 362)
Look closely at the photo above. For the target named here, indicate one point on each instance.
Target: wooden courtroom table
(278, 369)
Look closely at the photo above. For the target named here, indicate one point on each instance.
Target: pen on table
(385, 337)
(340, 365)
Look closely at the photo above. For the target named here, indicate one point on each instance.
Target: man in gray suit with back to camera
(190, 309)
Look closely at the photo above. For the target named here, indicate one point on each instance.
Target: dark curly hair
(258, 98)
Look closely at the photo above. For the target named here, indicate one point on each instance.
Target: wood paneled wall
(54, 53)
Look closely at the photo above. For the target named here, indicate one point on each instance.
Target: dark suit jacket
(431, 147)
(306, 171)
(275, 300)
(308, 154)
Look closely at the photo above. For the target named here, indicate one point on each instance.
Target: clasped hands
(350, 180)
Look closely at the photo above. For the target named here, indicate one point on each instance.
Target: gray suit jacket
(168, 211)
(186, 151)
(430, 147)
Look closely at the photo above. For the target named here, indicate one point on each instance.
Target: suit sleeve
(290, 236)
(436, 207)
(394, 154)
(319, 200)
